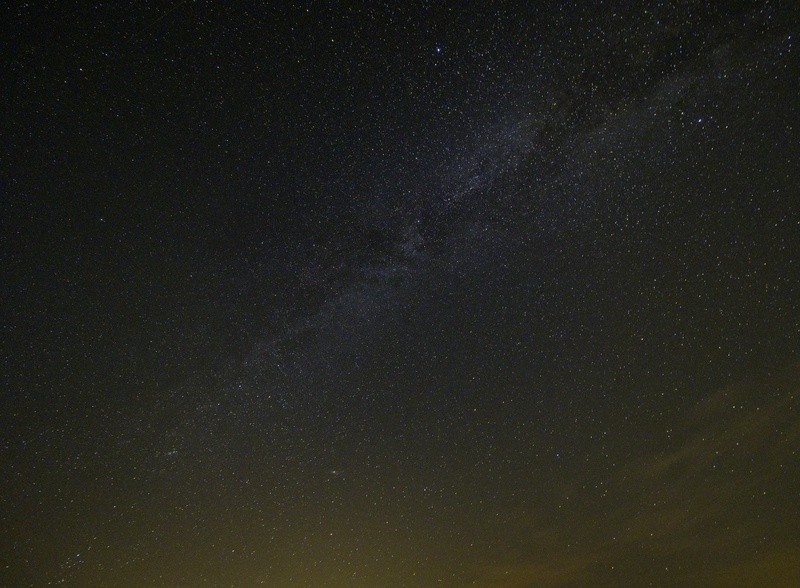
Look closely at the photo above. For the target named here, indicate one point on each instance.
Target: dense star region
(405, 294)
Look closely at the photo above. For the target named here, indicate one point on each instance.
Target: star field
(417, 294)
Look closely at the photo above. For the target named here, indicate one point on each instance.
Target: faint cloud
(718, 508)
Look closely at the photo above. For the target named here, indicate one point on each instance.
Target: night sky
(407, 294)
